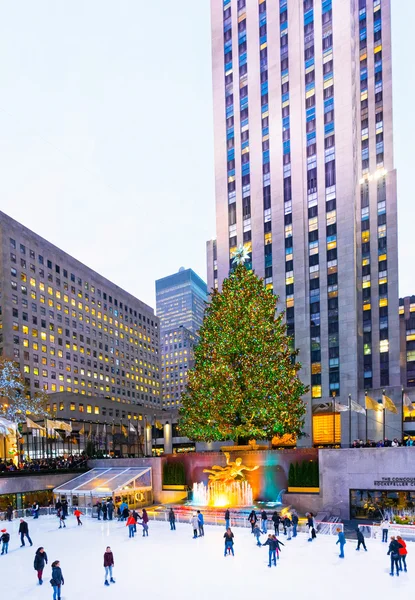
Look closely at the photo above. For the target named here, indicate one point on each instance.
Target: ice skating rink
(170, 564)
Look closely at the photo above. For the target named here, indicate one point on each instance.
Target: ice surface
(170, 564)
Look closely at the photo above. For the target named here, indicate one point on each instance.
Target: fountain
(227, 486)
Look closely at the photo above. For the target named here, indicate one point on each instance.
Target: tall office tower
(305, 180)
(407, 334)
(180, 305)
(69, 328)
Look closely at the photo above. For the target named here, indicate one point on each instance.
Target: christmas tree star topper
(240, 256)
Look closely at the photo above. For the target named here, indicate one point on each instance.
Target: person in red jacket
(402, 553)
(108, 565)
(131, 525)
(78, 514)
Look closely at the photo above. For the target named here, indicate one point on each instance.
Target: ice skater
(276, 519)
(393, 552)
(131, 525)
(311, 527)
(402, 553)
(172, 520)
(340, 540)
(360, 540)
(78, 514)
(273, 547)
(104, 510)
(144, 522)
(9, 513)
(201, 523)
(294, 521)
(41, 559)
(62, 519)
(227, 518)
(5, 539)
(194, 521)
(110, 510)
(108, 565)
(57, 580)
(252, 519)
(24, 532)
(287, 527)
(264, 521)
(35, 509)
(257, 534)
(228, 535)
(99, 510)
(385, 525)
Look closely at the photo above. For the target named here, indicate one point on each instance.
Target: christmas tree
(15, 400)
(245, 382)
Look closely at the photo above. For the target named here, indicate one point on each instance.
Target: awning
(108, 481)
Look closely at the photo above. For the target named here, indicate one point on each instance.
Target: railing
(29, 473)
(375, 531)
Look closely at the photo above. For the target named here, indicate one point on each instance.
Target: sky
(106, 132)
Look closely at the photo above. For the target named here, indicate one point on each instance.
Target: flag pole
(366, 414)
(350, 421)
(402, 416)
(384, 417)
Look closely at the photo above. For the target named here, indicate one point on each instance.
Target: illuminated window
(383, 302)
(384, 346)
(316, 391)
(326, 429)
(89, 408)
(72, 406)
(367, 349)
(365, 236)
(96, 410)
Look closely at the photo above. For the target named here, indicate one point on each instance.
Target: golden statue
(234, 471)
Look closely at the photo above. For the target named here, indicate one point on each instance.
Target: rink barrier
(374, 531)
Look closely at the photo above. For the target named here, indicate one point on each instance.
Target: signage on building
(395, 482)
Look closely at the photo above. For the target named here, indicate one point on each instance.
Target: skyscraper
(180, 302)
(305, 179)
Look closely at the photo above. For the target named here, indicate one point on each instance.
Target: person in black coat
(360, 540)
(99, 510)
(65, 508)
(252, 519)
(41, 559)
(274, 547)
(276, 519)
(24, 531)
(294, 521)
(172, 520)
(393, 552)
(57, 580)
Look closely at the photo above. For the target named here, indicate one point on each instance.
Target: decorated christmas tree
(15, 400)
(245, 382)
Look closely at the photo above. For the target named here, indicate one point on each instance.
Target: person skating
(294, 521)
(131, 524)
(172, 520)
(108, 565)
(385, 525)
(58, 506)
(194, 521)
(257, 534)
(35, 508)
(99, 510)
(24, 531)
(41, 559)
(65, 507)
(341, 540)
(201, 523)
(5, 539)
(125, 513)
(393, 552)
(311, 527)
(273, 546)
(287, 526)
(62, 519)
(252, 519)
(136, 516)
(227, 518)
(276, 519)
(402, 553)
(78, 514)
(228, 535)
(104, 510)
(57, 580)
(9, 512)
(264, 521)
(360, 540)
(144, 522)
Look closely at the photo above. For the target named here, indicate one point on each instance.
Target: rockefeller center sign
(395, 482)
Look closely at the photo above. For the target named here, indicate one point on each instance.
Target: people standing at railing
(393, 552)
(276, 519)
(402, 553)
(360, 539)
(172, 520)
(229, 537)
(294, 521)
(201, 523)
(227, 518)
(264, 519)
(5, 539)
(252, 519)
(341, 539)
(41, 559)
(24, 532)
(385, 525)
(194, 521)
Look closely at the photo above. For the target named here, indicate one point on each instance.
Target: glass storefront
(26, 499)
(373, 504)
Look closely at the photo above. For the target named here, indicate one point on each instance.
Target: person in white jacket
(385, 525)
(194, 521)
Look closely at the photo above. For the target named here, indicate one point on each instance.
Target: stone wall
(33, 483)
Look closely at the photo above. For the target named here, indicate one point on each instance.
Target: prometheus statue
(234, 471)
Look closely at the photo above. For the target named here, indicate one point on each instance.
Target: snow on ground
(170, 564)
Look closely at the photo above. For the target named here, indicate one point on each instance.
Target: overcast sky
(106, 145)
